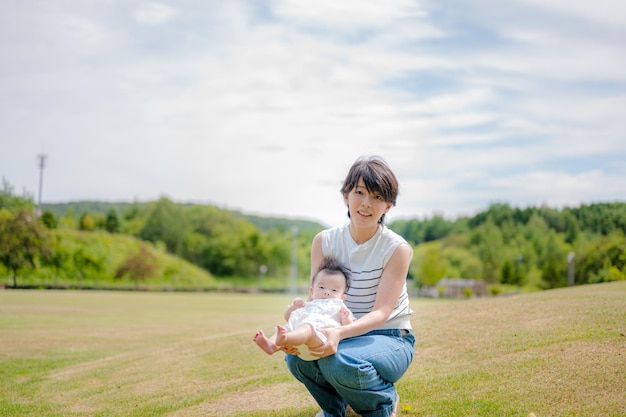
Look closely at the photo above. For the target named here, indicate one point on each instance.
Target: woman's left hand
(330, 347)
(291, 350)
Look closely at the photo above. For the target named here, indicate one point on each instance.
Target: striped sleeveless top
(367, 262)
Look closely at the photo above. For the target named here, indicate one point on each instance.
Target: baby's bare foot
(281, 335)
(264, 343)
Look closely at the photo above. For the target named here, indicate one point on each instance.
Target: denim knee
(346, 371)
(299, 368)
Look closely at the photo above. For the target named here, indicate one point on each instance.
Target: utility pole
(42, 164)
(571, 279)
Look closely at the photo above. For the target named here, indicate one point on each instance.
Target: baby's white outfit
(320, 314)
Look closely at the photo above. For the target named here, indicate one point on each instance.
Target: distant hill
(271, 223)
(79, 207)
(263, 223)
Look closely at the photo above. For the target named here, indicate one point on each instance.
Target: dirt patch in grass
(270, 399)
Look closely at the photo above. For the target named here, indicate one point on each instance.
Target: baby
(325, 309)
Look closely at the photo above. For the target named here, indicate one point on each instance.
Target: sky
(263, 106)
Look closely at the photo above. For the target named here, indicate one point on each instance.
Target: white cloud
(559, 189)
(153, 13)
(78, 33)
(266, 115)
(604, 12)
(347, 14)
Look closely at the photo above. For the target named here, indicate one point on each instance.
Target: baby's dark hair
(333, 266)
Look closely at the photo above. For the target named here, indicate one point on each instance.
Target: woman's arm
(317, 257)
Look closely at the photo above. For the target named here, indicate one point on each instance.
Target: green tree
(168, 223)
(22, 240)
(553, 263)
(602, 218)
(68, 220)
(134, 218)
(572, 229)
(488, 241)
(428, 266)
(86, 262)
(11, 202)
(112, 224)
(436, 228)
(460, 260)
(49, 220)
(602, 259)
(57, 257)
(534, 233)
(235, 249)
(278, 251)
(508, 273)
(87, 222)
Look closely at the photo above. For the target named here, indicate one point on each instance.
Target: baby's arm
(296, 304)
(344, 316)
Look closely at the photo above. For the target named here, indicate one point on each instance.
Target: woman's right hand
(330, 347)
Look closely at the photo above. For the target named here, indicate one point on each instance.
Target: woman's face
(365, 206)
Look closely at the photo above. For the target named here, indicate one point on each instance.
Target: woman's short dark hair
(332, 266)
(377, 176)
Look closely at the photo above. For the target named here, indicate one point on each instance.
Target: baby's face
(329, 286)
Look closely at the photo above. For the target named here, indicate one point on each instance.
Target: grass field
(65, 353)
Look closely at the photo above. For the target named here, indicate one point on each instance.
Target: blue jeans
(361, 374)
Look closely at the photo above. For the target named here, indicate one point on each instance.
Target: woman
(360, 362)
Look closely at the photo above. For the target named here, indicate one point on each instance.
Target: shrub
(139, 266)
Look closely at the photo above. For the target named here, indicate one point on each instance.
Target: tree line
(534, 247)
(226, 244)
(524, 248)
